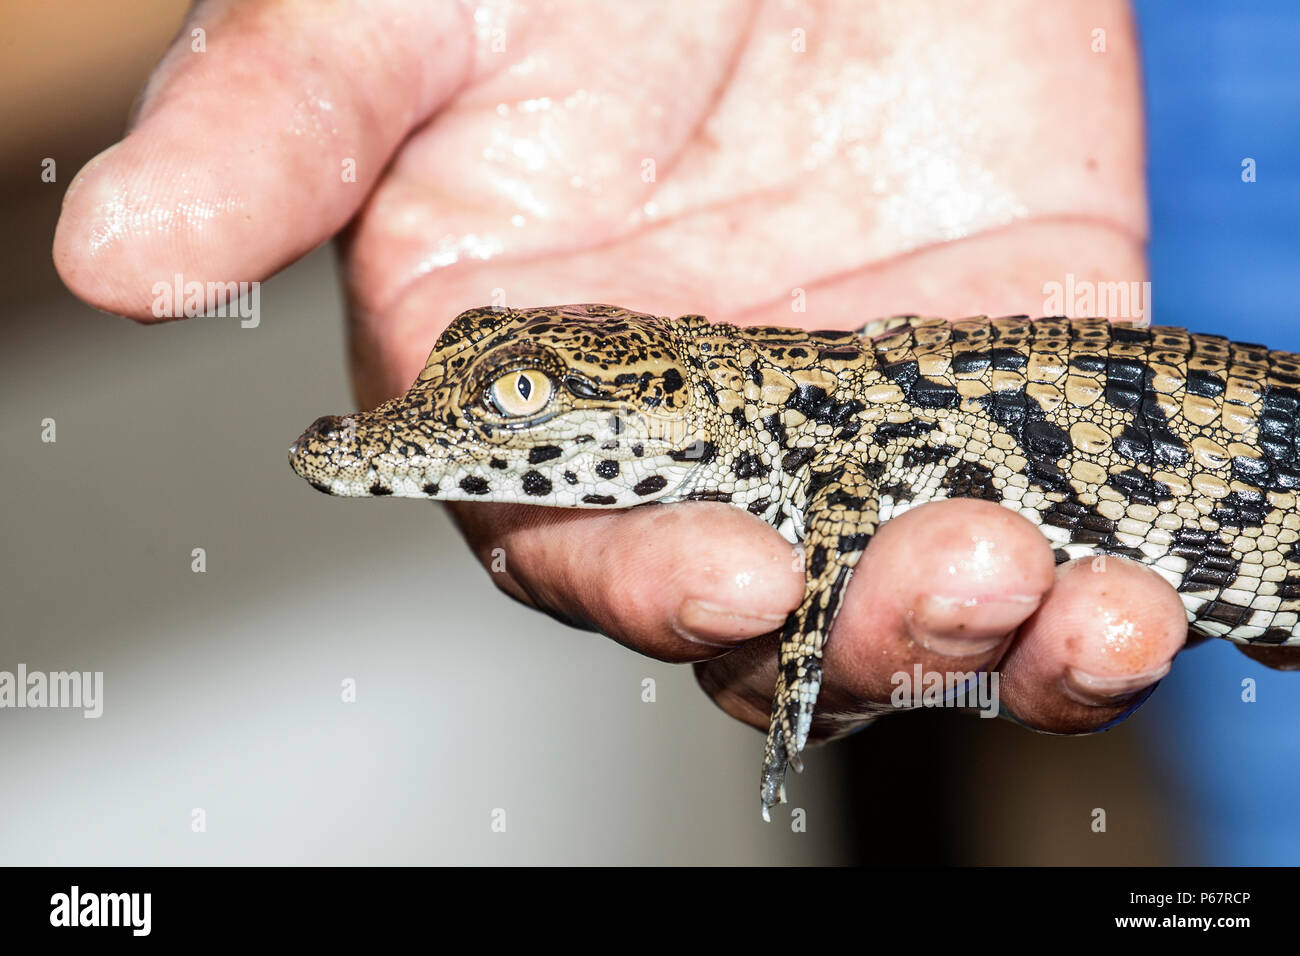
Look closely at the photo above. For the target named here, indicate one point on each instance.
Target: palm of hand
(678, 161)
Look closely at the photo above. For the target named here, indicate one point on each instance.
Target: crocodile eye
(520, 393)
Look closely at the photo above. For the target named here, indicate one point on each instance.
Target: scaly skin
(1175, 450)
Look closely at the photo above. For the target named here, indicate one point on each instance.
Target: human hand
(676, 161)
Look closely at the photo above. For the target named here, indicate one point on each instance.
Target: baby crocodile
(1176, 450)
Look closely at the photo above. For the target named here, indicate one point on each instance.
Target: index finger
(259, 135)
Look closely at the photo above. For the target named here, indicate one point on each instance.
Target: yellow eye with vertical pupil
(520, 393)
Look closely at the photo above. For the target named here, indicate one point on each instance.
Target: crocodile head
(575, 406)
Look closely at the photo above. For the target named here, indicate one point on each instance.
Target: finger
(677, 582)
(1107, 632)
(255, 142)
(942, 586)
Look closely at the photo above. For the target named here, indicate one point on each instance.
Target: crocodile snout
(313, 453)
(325, 429)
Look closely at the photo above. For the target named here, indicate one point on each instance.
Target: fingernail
(957, 627)
(1096, 690)
(717, 625)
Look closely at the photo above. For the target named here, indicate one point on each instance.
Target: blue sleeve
(1223, 100)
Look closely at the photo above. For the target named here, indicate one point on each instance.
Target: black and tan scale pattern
(841, 518)
(1177, 450)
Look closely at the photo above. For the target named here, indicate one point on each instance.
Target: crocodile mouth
(326, 453)
(341, 456)
(358, 456)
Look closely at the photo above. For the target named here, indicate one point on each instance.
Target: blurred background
(223, 688)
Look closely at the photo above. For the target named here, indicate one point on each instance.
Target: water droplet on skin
(1118, 632)
(452, 249)
(981, 564)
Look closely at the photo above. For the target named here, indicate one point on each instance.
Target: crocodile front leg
(840, 515)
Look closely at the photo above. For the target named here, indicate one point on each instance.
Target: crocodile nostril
(328, 429)
(325, 428)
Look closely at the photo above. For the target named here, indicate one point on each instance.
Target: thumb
(258, 136)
